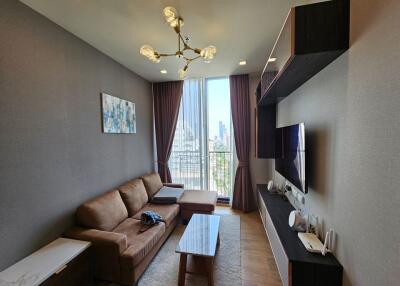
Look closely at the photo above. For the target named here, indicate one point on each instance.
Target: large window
(202, 156)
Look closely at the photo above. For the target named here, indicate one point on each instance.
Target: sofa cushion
(198, 200)
(139, 244)
(153, 184)
(134, 195)
(103, 212)
(167, 212)
(167, 195)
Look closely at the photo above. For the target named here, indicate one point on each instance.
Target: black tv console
(297, 266)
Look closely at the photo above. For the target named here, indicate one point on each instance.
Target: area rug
(163, 270)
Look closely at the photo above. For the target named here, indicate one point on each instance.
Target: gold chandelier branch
(191, 59)
(165, 55)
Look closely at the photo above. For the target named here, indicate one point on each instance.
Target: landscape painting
(118, 115)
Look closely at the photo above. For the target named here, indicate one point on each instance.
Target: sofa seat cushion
(198, 200)
(168, 212)
(153, 184)
(139, 244)
(134, 195)
(103, 212)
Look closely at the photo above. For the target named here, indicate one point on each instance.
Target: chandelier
(176, 22)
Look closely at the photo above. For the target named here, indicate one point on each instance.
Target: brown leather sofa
(111, 222)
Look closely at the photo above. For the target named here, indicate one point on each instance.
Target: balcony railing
(220, 173)
(213, 173)
(185, 167)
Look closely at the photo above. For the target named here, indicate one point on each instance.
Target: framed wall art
(118, 115)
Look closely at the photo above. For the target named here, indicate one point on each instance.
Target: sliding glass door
(202, 156)
(219, 139)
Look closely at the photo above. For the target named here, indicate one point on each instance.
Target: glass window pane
(219, 136)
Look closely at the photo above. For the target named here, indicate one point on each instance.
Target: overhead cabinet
(311, 38)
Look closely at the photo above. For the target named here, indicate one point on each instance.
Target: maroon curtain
(243, 197)
(167, 99)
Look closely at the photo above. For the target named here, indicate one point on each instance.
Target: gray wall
(53, 155)
(352, 114)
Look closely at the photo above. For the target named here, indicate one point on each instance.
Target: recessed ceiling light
(271, 60)
(163, 71)
(242, 63)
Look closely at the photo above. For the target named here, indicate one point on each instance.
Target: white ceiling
(240, 29)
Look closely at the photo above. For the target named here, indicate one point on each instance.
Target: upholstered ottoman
(194, 201)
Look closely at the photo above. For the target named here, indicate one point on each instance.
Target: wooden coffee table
(198, 246)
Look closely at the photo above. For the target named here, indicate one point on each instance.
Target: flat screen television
(290, 155)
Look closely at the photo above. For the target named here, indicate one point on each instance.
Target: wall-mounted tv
(290, 155)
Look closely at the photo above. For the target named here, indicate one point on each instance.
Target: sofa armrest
(118, 241)
(173, 185)
(106, 250)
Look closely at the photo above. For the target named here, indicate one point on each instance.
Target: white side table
(45, 263)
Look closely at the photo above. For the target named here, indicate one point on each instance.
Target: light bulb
(148, 52)
(182, 73)
(175, 22)
(170, 14)
(208, 53)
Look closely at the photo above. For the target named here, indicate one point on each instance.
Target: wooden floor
(258, 263)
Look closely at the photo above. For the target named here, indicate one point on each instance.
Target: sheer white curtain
(202, 156)
(187, 162)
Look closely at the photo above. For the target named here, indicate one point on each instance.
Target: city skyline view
(219, 108)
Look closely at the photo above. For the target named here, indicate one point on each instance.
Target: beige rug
(163, 270)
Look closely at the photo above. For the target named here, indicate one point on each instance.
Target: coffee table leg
(210, 271)
(182, 269)
(218, 240)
